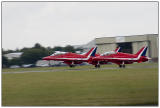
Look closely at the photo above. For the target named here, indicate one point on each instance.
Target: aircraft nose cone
(45, 58)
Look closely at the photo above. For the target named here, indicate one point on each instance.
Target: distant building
(129, 44)
(86, 47)
(43, 63)
(13, 55)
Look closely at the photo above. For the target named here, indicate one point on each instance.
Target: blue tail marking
(94, 52)
(144, 52)
(119, 49)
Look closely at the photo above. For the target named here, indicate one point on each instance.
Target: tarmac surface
(74, 69)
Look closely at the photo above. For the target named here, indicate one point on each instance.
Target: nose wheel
(71, 65)
(97, 66)
(122, 65)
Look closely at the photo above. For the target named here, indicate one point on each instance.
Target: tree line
(33, 54)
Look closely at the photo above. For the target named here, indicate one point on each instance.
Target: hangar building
(129, 44)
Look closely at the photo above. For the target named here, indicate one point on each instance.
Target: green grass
(90, 87)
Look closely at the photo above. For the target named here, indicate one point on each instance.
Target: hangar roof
(120, 39)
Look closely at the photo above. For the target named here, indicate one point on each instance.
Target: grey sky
(73, 23)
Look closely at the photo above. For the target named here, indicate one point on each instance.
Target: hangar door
(126, 47)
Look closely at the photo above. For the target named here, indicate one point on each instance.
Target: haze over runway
(73, 23)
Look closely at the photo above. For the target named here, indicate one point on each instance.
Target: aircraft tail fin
(142, 51)
(91, 52)
(117, 49)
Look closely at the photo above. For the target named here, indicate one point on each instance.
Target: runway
(57, 70)
(77, 69)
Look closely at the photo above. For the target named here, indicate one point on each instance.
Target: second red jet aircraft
(121, 59)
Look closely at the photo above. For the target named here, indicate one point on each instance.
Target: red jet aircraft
(72, 58)
(121, 58)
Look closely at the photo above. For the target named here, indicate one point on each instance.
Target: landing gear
(71, 65)
(122, 65)
(97, 66)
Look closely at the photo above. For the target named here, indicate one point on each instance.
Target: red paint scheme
(72, 58)
(122, 58)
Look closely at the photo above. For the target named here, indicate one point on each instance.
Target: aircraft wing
(115, 59)
(71, 59)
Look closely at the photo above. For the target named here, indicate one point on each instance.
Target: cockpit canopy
(108, 53)
(58, 53)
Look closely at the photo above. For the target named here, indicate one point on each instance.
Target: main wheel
(95, 66)
(123, 66)
(71, 65)
(98, 66)
(120, 66)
